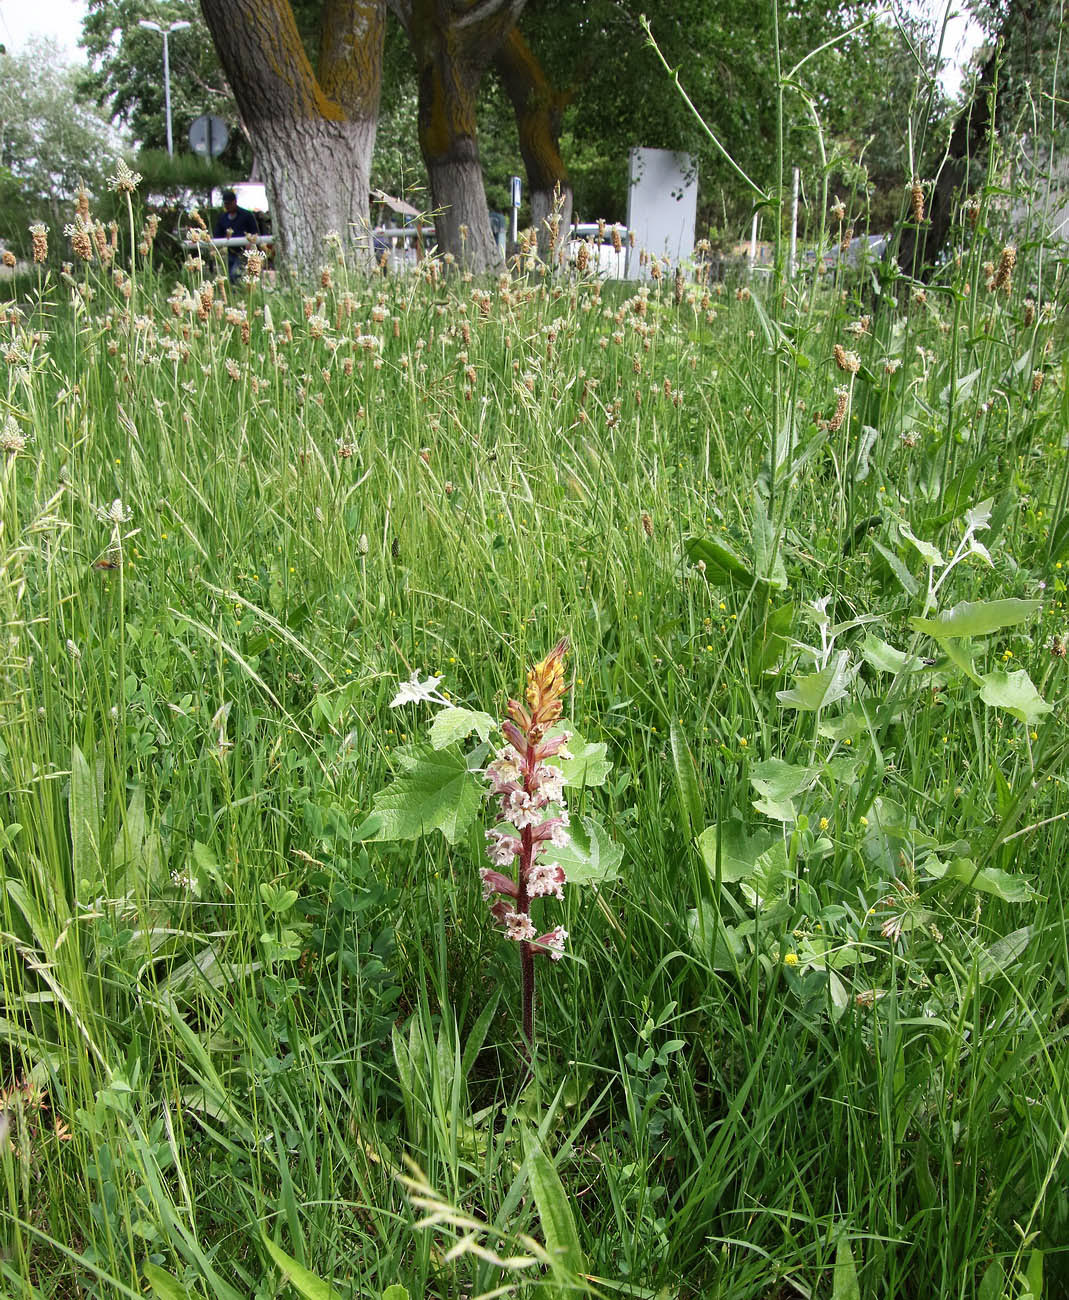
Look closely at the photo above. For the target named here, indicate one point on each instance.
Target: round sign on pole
(208, 136)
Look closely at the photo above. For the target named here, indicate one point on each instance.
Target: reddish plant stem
(523, 904)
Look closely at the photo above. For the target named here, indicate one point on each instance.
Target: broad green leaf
(1033, 1276)
(686, 774)
(885, 658)
(930, 554)
(844, 1283)
(395, 1292)
(993, 1283)
(770, 877)
(738, 850)
(164, 1286)
(587, 765)
(307, 1283)
(590, 857)
(722, 564)
(436, 790)
(137, 854)
(1016, 693)
(840, 998)
(453, 724)
(554, 1211)
(769, 641)
(206, 861)
(768, 562)
(847, 725)
(711, 937)
(865, 444)
(817, 690)
(779, 810)
(84, 821)
(988, 880)
(776, 779)
(778, 783)
(906, 579)
(998, 957)
(977, 619)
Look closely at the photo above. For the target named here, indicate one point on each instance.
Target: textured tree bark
(453, 42)
(539, 112)
(313, 136)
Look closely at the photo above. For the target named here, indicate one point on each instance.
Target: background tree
(615, 93)
(1021, 53)
(453, 42)
(126, 75)
(51, 140)
(313, 131)
(539, 110)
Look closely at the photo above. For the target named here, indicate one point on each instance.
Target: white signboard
(662, 206)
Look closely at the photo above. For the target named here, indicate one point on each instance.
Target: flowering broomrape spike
(533, 820)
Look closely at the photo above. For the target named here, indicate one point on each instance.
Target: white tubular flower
(554, 942)
(115, 514)
(415, 692)
(518, 926)
(502, 848)
(505, 771)
(546, 878)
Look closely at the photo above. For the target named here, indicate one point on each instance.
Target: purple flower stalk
(534, 821)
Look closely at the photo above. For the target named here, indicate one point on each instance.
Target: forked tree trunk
(453, 41)
(313, 136)
(448, 141)
(539, 112)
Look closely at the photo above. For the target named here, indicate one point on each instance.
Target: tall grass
(747, 1086)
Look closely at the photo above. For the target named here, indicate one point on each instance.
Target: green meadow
(806, 539)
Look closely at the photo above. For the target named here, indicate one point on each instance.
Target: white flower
(546, 878)
(12, 439)
(124, 181)
(115, 514)
(502, 849)
(549, 783)
(522, 810)
(518, 926)
(414, 691)
(558, 836)
(554, 941)
(505, 770)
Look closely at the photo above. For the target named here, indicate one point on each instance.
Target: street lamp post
(165, 32)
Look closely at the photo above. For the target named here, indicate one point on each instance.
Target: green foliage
(815, 998)
(126, 75)
(435, 790)
(51, 140)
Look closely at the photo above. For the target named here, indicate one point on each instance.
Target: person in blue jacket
(234, 221)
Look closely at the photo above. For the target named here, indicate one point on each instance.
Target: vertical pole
(167, 95)
(793, 258)
(753, 241)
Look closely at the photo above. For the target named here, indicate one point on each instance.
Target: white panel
(661, 206)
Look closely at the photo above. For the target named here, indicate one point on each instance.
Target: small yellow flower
(790, 959)
(744, 742)
(863, 820)
(824, 823)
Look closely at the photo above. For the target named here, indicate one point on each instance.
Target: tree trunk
(312, 137)
(964, 167)
(453, 42)
(318, 177)
(448, 142)
(539, 111)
